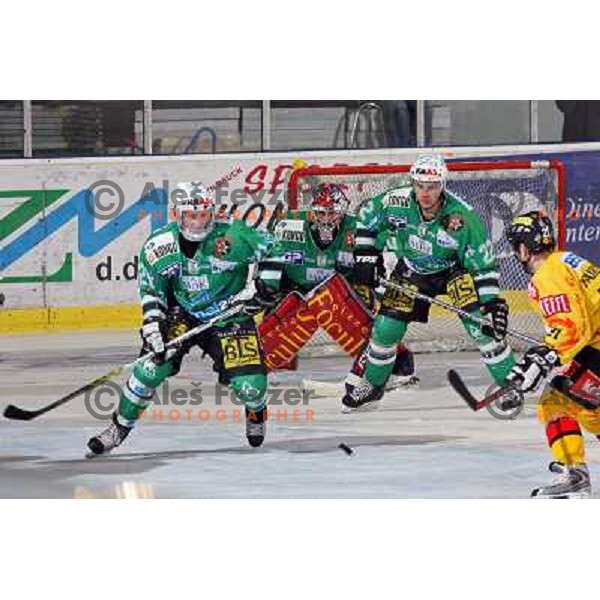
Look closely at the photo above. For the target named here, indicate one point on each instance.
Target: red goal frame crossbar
(507, 165)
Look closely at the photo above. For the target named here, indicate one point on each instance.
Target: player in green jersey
(191, 271)
(442, 248)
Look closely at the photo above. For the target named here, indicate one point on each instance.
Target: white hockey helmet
(195, 210)
(429, 168)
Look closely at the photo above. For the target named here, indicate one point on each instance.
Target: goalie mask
(327, 209)
(535, 231)
(195, 210)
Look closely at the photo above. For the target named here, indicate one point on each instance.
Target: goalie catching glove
(533, 368)
(498, 309)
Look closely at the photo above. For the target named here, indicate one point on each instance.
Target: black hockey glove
(533, 368)
(262, 301)
(368, 265)
(153, 334)
(498, 309)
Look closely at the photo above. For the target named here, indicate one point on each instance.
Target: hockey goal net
(498, 191)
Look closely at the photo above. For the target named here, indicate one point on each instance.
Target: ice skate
(112, 437)
(256, 427)
(570, 482)
(362, 397)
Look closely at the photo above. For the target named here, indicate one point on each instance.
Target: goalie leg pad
(341, 314)
(286, 330)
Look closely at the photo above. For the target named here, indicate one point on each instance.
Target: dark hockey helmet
(328, 206)
(533, 229)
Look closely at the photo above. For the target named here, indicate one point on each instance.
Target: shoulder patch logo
(222, 247)
(453, 222)
(572, 260)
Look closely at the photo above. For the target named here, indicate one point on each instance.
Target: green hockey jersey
(455, 237)
(204, 284)
(296, 262)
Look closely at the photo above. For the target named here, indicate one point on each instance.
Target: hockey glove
(153, 336)
(533, 368)
(367, 267)
(498, 309)
(262, 301)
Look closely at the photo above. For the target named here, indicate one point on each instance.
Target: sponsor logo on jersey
(445, 240)
(572, 260)
(553, 305)
(397, 200)
(290, 230)
(318, 275)
(194, 283)
(293, 236)
(321, 260)
(590, 275)
(293, 257)
(419, 245)
(156, 252)
(171, 270)
(219, 266)
(397, 222)
(345, 259)
(532, 291)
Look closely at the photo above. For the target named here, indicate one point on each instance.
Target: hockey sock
(566, 441)
(387, 332)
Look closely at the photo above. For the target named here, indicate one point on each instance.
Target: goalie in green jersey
(191, 271)
(311, 263)
(442, 248)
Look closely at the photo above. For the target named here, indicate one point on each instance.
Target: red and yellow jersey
(565, 292)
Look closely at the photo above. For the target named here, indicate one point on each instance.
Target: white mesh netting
(498, 192)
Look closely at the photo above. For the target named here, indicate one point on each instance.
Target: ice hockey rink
(422, 443)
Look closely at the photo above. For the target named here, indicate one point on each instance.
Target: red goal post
(339, 171)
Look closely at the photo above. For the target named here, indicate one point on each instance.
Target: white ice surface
(422, 443)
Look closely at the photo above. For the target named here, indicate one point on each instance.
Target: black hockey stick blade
(509, 397)
(19, 414)
(462, 390)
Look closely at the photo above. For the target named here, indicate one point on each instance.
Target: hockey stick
(459, 311)
(510, 397)
(21, 414)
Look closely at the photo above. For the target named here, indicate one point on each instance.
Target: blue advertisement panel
(582, 202)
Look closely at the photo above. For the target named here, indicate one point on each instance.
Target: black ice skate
(256, 426)
(571, 482)
(362, 397)
(110, 438)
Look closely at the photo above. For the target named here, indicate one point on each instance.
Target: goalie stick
(22, 414)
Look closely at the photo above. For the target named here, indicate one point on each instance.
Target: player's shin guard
(139, 389)
(381, 353)
(497, 356)
(251, 390)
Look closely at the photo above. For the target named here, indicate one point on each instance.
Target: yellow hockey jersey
(565, 292)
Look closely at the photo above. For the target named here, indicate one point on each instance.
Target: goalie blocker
(332, 306)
